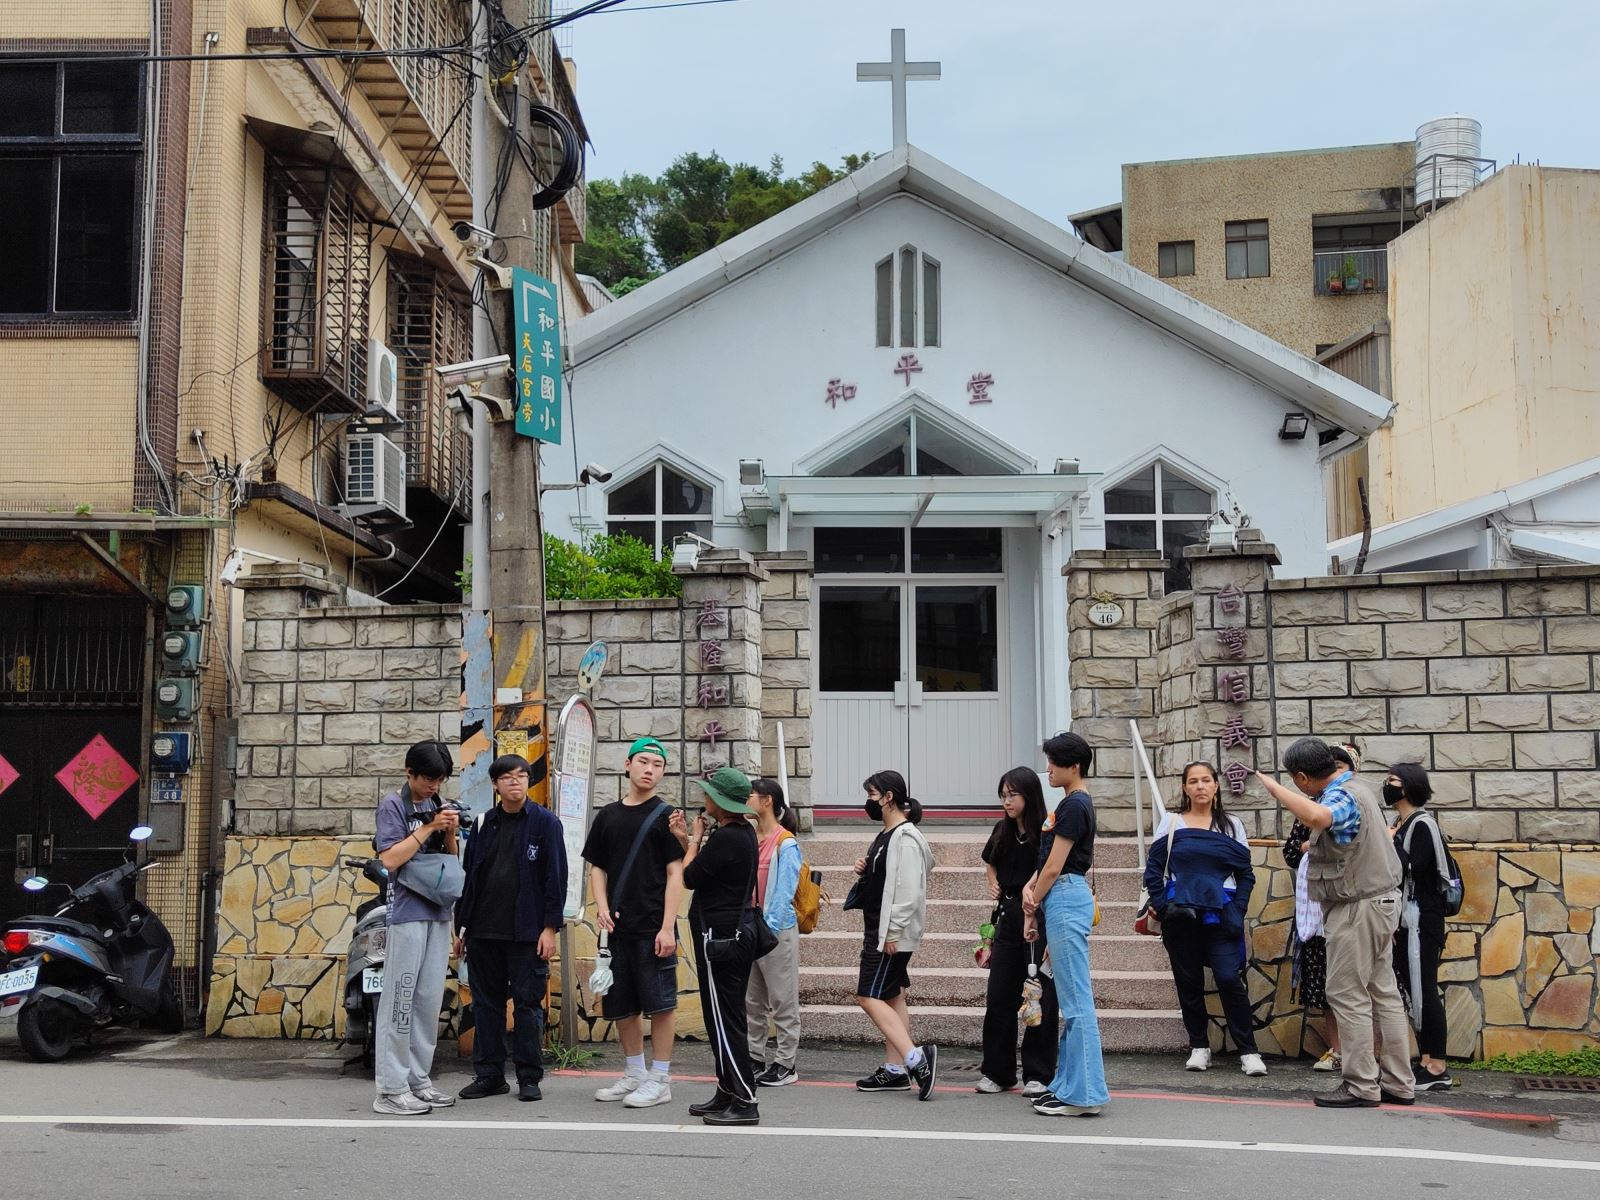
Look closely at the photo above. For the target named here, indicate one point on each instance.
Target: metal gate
(71, 687)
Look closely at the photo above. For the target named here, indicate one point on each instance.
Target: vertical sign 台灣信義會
(537, 357)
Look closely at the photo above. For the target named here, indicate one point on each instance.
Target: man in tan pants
(1354, 873)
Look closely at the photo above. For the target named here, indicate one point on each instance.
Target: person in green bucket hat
(719, 866)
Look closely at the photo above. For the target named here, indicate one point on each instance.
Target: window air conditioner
(374, 475)
(383, 381)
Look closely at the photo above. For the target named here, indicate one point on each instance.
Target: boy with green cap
(636, 878)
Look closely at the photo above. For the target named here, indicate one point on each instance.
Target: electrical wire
(450, 512)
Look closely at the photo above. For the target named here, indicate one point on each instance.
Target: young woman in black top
(720, 869)
(1407, 789)
(1010, 858)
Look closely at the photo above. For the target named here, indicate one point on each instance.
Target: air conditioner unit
(383, 381)
(374, 476)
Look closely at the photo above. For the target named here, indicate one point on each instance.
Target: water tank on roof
(1446, 148)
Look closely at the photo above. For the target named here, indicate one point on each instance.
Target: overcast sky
(1043, 100)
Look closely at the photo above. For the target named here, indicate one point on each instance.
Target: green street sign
(537, 358)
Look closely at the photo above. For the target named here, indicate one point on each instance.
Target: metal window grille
(430, 323)
(70, 653)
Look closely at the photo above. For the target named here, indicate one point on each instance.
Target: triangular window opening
(915, 445)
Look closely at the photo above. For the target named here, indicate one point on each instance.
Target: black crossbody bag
(752, 940)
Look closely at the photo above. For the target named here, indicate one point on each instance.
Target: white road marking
(448, 1125)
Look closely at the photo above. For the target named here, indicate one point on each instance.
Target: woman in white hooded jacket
(892, 893)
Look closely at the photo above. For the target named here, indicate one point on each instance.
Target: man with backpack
(788, 899)
(636, 878)
(509, 915)
(1432, 891)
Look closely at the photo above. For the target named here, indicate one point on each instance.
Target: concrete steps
(1130, 974)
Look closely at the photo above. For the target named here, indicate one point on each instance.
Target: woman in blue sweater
(1200, 879)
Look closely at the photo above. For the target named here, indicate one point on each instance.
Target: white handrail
(1158, 811)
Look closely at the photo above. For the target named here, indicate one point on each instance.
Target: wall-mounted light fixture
(752, 472)
(1295, 426)
(1067, 466)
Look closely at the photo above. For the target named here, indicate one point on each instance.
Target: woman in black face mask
(1419, 842)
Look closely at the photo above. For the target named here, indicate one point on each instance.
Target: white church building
(939, 396)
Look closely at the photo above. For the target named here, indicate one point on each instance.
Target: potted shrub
(1352, 274)
(1335, 284)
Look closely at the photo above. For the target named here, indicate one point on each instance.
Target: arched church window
(658, 504)
(1160, 510)
(907, 300)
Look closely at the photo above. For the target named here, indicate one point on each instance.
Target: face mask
(1393, 793)
(874, 809)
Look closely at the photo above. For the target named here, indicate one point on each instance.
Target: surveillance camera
(594, 473)
(475, 372)
(462, 396)
(476, 237)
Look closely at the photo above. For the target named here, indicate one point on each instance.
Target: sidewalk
(821, 1064)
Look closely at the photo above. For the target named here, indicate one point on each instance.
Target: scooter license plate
(372, 979)
(19, 981)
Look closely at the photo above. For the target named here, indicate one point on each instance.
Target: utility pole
(516, 535)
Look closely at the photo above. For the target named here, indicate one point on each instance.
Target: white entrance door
(909, 664)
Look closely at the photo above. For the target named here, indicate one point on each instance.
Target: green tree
(640, 227)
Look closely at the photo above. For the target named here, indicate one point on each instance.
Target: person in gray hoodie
(892, 893)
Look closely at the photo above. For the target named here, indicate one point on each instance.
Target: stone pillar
(1232, 682)
(721, 624)
(786, 672)
(1113, 667)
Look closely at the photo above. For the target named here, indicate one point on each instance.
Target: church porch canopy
(992, 500)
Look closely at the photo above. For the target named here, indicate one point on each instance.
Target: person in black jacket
(1009, 859)
(719, 865)
(1419, 842)
(509, 915)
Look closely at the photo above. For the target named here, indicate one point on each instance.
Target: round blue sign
(591, 666)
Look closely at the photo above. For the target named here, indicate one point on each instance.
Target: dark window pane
(908, 297)
(1185, 258)
(645, 531)
(100, 98)
(930, 302)
(1238, 268)
(637, 497)
(885, 301)
(680, 494)
(1175, 535)
(1134, 495)
(1130, 535)
(1175, 258)
(25, 192)
(932, 464)
(672, 530)
(956, 551)
(27, 99)
(858, 639)
(97, 233)
(859, 550)
(1256, 261)
(890, 462)
(1235, 229)
(1178, 495)
(957, 642)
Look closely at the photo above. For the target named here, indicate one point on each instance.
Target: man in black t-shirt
(636, 905)
(510, 913)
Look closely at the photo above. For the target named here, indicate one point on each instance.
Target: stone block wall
(786, 672)
(1518, 971)
(330, 700)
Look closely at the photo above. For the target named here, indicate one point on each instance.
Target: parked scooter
(363, 973)
(102, 960)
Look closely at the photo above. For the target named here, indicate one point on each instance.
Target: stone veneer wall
(786, 673)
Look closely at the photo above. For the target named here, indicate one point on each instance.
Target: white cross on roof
(897, 72)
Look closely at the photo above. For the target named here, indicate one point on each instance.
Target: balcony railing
(1349, 272)
(572, 217)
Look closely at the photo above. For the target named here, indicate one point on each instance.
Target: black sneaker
(485, 1085)
(1427, 1081)
(926, 1072)
(1048, 1105)
(884, 1080)
(777, 1076)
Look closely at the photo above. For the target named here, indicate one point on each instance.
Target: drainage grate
(1546, 1083)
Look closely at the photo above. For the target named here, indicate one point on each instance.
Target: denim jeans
(1068, 915)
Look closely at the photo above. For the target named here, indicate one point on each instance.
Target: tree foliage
(639, 227)
(605, 568)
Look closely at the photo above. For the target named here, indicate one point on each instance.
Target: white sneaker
(988, 1086)
(1328, 1062)
(1199, 1059)
(652, 1090)
(620, 1090)
(433, 1097)
(1034, 1088)
(401, 1104)
(1251, 1064)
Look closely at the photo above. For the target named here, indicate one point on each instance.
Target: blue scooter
(102, 960)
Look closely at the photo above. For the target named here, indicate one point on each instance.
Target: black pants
(1192, 946)
(1007, 969)
(1434, 1034)
(496, 969)
(722, 989)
